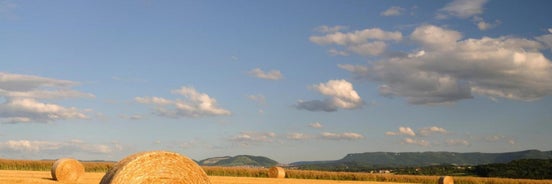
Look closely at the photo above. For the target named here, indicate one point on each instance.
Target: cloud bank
(446, 69)
(56, 148)
(22, 96)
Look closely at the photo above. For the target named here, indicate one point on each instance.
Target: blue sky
(290, 80)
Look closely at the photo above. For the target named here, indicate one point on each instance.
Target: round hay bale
(156, 167)
(276, 172)
(67, 170)
(446, 180)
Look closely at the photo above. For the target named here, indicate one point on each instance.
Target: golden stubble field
(44, 177)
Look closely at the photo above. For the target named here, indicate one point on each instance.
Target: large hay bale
(156, 167)
(67, 170)
(276, 172)
(446, 180)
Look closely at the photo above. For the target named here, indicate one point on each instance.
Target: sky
(289, 80)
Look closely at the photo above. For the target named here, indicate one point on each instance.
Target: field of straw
(44, 177)
(32, 171)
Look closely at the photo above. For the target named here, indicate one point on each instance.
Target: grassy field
(32, 171)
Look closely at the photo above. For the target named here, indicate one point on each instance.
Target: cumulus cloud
(431, 130)
(435, 38)
(53, 147)
(335, 52)
(248, 138)
(341, 136)
(423, 135)
(356, 37)
(482, 25)
(22, 96)
(194, 105)
(393, 11)
(298, 136)
(341, 94)
(546, 39)
(402, 131)
(447, 69)
(329, 29)
(269, 75)
(499, 139)
(365, 42)
(418, 142)
(462, 9)
(457, 142)
(316, 125)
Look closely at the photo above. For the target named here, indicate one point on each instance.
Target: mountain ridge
(415, 159)
(239, 160)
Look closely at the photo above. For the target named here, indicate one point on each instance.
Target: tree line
(524, 168)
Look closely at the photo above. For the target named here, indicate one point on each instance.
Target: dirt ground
(44, 177)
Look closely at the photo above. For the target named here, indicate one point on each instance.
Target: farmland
(43, 177)
(29, 171)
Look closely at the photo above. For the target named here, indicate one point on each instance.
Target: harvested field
(44, 177)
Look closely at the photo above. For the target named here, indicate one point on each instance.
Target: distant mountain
(240, 160)
(417, 159)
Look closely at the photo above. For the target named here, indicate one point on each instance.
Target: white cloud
(546, 39)
(335, 52)
(248, 138)
(431, 130)
(28, 146)
(451, 69)
(316, 125)
(364, 42)
(457, 142)
(483, 25)
(32, 110)
(434, 37)
(369, 49)
(22, 95)
(393, 11)
(59, 148)
(195, 105)
(153, 100)
(298, 136)
(341, 136)
(402, 131)
(269, 75)
(356, 37)
(462, 9)
(341, 95)
(499, 139)
(423, 143)
(328, 29)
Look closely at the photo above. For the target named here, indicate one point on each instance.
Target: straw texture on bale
(67, 170)
(446, 180)
(276, 172)
(156, 167)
